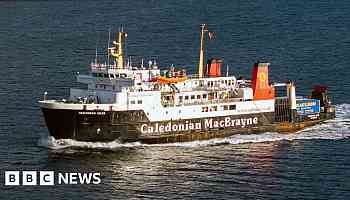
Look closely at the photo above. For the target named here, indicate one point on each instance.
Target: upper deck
(124, 83)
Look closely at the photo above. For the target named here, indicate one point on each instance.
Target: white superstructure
(161, 95)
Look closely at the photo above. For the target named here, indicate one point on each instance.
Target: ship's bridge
(211, 83)
(140, 74)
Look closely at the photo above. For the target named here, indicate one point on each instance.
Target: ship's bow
(61, 123)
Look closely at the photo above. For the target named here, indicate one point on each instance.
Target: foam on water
(339, 128)
(52, 143)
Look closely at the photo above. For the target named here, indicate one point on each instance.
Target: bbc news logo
(49, 178)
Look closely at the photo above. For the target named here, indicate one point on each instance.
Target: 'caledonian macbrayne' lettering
(204, 124)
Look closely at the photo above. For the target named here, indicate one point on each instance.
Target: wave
(52, 143)
(338, 128)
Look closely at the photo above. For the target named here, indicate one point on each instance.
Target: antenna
(96, 54)
(125, 42)
(109, 41)
(226, 70)
(130, 62)
(96, 50)
(127, 62)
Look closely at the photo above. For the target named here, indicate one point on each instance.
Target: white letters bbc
(12, 178)
(47, 178)
(29, 178)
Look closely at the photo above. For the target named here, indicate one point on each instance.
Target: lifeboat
(165, 80)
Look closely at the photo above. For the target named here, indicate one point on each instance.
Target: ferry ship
(151, 105)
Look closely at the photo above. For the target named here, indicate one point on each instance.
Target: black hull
(131, 126)
(126, 125)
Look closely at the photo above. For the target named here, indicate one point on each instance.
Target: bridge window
(198, 96)
(192, 97)
(204, 109)
(204, 96)
(186, 97)
(139, 102)
(132, 102)
(225, 107)
(232, 107)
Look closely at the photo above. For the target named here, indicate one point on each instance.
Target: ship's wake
(336, 129)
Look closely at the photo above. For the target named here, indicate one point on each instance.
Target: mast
(120, 57)
(201, 51)
(118, 51)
